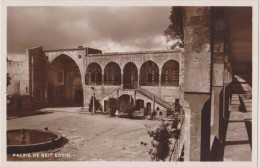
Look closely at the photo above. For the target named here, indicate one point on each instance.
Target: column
(218, 73)
(153, 104)
(160, 76)
(122, 79)
(102, 77)
(138, 77)
(197, 83)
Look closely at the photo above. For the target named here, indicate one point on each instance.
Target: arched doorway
(78, 96)
(125, 103)
(130, 76)
(93, 74)
(139, 103)
(170, 73)
(149, 74)
(112, 74)
(64, 83)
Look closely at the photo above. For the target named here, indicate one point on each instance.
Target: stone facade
(60, 77)
(19, 73)
(19, 98)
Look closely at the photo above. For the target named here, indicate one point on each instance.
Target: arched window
(112, 74)
(170, 73)
(149, 74)
(130, 76)
(93, 74)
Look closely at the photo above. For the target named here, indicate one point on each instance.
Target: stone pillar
(160, 77)
(226, 91)
(197, 79)
(199, 144)
(102, 77)
(138, 77)
(217, 110)
(122, 79)
(218, 72)
(153, 104)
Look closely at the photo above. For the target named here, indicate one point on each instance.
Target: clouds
(110, 29)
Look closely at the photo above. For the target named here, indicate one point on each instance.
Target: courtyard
(88, 137)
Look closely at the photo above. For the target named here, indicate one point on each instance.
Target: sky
(110, 29)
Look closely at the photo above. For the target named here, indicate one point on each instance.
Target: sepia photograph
(129, 83)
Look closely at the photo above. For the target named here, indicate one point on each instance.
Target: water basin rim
(37, 144)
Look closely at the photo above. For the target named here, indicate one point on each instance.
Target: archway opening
(139, 104)
(149, 74)
(112, 74)
(125, 103)
(64, 83)
(130, 76)
(170, 73)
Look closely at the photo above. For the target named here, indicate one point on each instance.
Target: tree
(174, 31)
(113, 106)
(161, 142)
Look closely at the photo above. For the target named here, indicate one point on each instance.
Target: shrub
(160, 142)
(113, 106)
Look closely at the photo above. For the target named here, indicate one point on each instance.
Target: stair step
(235, 102)
(235, 98)
(235, 107)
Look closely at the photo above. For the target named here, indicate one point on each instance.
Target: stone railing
(157, 99)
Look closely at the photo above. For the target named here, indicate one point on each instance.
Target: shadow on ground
(14, 115)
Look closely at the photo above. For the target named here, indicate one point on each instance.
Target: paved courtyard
(90, 137)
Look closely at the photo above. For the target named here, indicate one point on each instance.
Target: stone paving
(237, 144)
(91, 137)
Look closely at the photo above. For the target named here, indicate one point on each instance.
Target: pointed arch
(112, 74)
(170, 73)
(130, 76)
(93, 74)
(149, 74)
(63, 73)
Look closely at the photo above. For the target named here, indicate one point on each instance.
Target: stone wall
(37, 76)
(138, 58)
(18, 90)
(19, 73)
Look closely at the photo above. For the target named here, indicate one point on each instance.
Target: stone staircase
(145, 93)
(157, 99)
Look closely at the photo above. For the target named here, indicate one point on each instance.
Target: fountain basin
(31, 140)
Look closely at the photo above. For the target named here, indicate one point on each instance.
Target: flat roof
(135, 52)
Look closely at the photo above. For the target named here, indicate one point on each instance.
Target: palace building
(71, 77)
